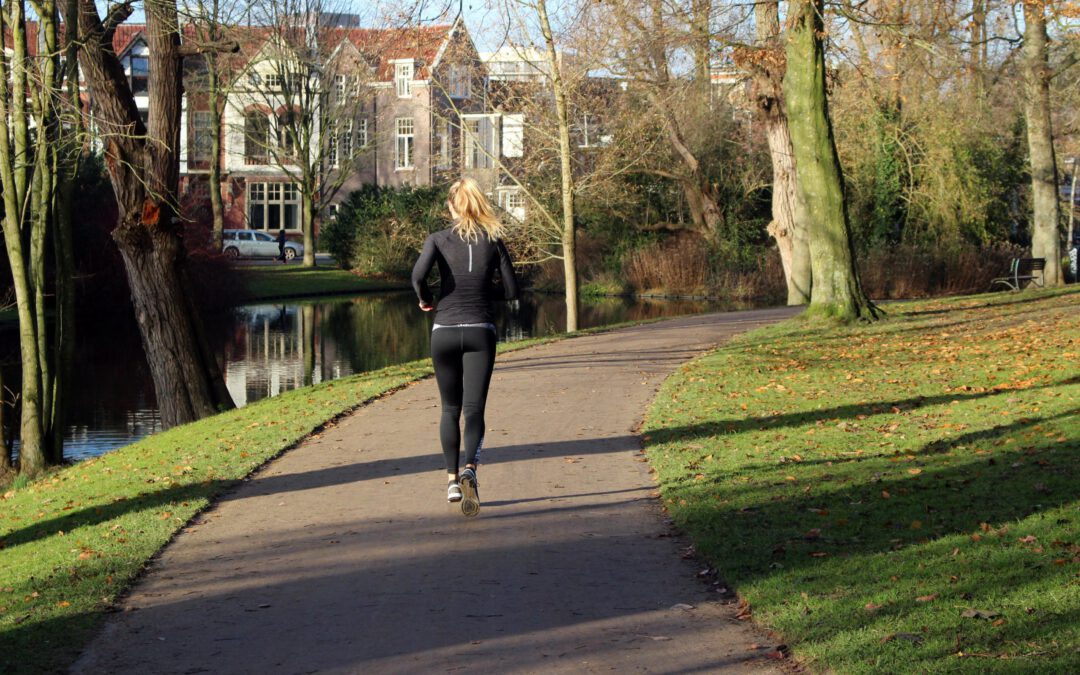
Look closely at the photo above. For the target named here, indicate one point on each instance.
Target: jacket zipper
(470, 257)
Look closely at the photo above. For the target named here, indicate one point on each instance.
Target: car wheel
(232, 252)
(290, 253)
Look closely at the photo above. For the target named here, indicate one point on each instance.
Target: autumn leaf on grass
(979, 614)
(927, 598)
(742, 611)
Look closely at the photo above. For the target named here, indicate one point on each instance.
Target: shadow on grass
(877, 513)
(842, 412)
(845, 528)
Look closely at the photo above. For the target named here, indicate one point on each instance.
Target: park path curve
(343, 556)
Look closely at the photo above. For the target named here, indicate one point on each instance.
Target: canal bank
(271, 347)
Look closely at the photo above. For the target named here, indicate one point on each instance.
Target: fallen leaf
(927, 598)
(979, 614)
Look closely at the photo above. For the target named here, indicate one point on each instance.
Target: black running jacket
(467, 271)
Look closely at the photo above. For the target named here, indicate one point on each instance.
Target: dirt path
(343, 555)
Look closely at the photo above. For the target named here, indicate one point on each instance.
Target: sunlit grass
(863, 487)
(291, 281)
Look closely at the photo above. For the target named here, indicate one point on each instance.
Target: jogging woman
(463, 339)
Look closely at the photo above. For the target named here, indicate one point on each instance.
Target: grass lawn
(892, 498)
(292, 281)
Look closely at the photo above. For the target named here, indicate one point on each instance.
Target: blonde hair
(474, 212)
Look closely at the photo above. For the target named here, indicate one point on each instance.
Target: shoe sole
(470, 502)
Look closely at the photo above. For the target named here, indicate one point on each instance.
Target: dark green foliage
(378, 231)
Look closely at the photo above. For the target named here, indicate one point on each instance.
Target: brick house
(420, 118)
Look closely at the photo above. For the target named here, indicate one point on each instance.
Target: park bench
(1021, 271)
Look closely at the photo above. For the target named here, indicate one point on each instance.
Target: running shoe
(470, 503)
(453, 492)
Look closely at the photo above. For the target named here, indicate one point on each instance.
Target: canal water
(274, 347)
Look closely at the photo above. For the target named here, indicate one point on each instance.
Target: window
(347, 141)
(340, 84)
(254, 79)
(201, 137)
(403, 75)
(513, 202)
(272, 206)
(140, 75)
(356, 85)
(361, 133)
(256, 137)
(286, 132)
(442, 143)
(478, 143)
(273, 81)
(405, 140)
(460, 83)
(513, 132)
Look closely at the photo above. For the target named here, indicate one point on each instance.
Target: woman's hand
(427, 307)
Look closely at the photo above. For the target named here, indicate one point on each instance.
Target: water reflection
(271, 348)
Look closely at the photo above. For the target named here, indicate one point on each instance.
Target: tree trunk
(217, 209)
(309, 212)
(836, 289)
(17, 183)
(1045, 239)
(789, 225)
(569, 234)
(701, 20)
(64, 250)
(143, 169)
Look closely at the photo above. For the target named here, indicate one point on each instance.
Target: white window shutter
(513, 135)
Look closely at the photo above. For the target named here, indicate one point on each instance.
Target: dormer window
(137, 67)
(403, 76)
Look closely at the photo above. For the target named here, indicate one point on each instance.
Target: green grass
(292, 281)
(862, 487)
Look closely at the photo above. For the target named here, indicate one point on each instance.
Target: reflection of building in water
(276, 348)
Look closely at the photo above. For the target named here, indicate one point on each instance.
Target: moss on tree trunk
(836, 290)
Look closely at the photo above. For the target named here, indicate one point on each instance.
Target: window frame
(404, 72)
(271, 194)
(404, 140)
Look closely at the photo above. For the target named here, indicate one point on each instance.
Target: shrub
(378, 231)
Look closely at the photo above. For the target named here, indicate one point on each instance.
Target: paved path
(343, 555)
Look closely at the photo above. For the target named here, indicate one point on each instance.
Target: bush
(908, 271)
(378, 231)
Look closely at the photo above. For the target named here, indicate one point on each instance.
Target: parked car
(256, 244)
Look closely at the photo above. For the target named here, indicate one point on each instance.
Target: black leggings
(463, 358)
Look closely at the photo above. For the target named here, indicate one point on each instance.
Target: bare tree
(210, 22)
(304, 102)
(650, 37)
(141, 160)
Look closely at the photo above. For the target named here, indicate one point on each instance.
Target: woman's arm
(506, 271)
(421, 270)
